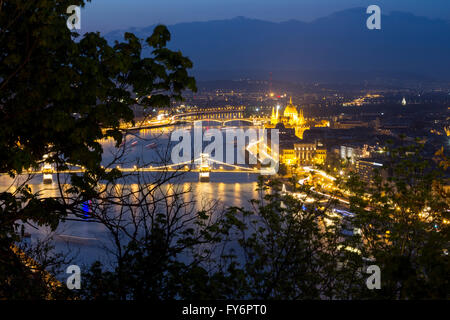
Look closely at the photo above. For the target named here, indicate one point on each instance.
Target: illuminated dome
(291, 110)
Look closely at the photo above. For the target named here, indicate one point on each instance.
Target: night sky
(108, 15)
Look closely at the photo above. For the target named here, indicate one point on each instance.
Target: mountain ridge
(339, 44)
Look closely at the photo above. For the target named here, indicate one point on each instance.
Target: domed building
(293, 150)
(291, 113)
(291, 118)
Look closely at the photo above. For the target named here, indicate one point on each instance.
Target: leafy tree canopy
(58, 90)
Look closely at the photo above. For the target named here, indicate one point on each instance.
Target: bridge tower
(205, 169)
(47, 171)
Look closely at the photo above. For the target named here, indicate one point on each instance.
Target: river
(85, 240)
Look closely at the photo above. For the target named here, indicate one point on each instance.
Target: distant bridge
(162, 123)
(220, 115)
(250, 121)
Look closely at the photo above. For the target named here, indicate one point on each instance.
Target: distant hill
(338, 47)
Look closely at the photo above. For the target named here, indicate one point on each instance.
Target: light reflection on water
(87, 239)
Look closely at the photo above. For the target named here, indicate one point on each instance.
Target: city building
(287, 138)
(288, 156)
(366, 167)
(310, 153)
(291, 118)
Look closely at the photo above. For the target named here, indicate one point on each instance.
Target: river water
(85, 241)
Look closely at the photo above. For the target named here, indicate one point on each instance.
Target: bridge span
(220, 115)
(203, 165)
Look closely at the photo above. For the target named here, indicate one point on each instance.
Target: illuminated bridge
(204, 165)
(216, 113)
(249, 121)
(220, 115)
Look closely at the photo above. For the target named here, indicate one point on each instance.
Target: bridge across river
(219, 115)
(202, 165)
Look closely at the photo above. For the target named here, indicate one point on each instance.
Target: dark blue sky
(108, 15)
